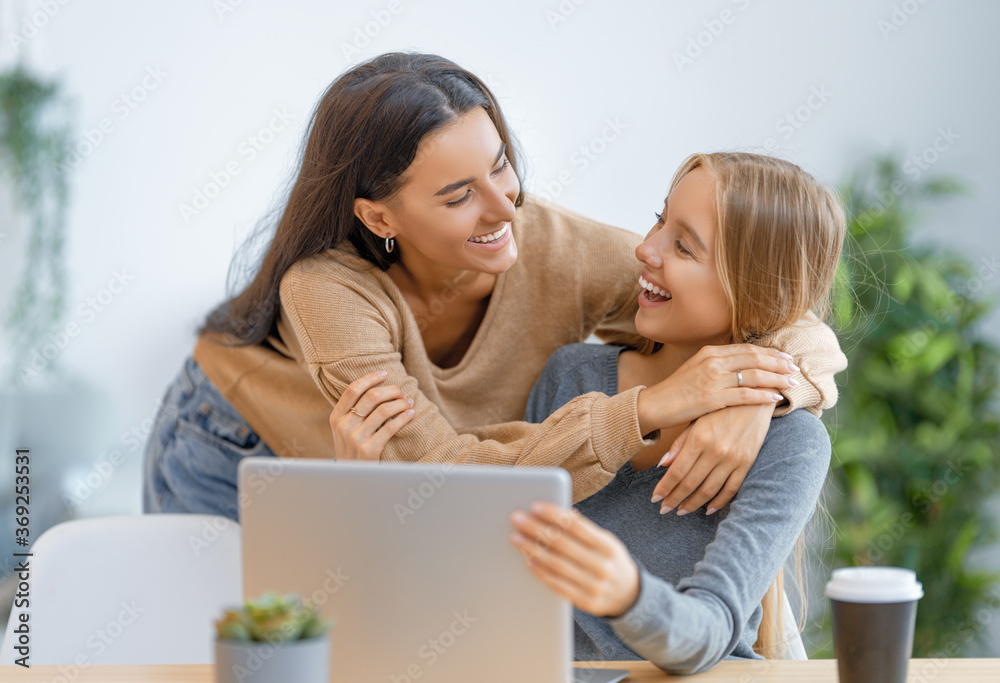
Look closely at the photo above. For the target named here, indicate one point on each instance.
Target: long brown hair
(362, 136)
(779, 239)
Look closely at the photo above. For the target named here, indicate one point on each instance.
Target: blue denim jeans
(196, 443)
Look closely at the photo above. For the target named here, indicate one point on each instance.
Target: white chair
(794, 647)
(139, 589)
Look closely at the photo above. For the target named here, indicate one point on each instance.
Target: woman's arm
(690, 627)
(591, 437)
(709, 461)
(814, 348)
(811, 343)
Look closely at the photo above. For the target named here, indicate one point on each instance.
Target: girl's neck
(658, 366)
(635, 369)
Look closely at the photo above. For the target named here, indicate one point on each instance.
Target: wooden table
(818, 670)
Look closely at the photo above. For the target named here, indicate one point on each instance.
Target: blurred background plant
(916, 433)
(34, 141)
(37, 392)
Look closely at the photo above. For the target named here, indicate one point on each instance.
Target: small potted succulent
(273, 639)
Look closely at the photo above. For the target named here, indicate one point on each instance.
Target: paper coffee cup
(874, 610)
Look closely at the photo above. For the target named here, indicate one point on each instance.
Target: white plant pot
(301, 661)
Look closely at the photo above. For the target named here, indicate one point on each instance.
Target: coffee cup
(874, 611)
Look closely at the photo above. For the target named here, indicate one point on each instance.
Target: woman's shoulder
(342, 262)
(336, 285)
(572, 357)
(800, 423)
(590, 264)
(340, 269)
(800, 440)
(571, 371)
(544, 221)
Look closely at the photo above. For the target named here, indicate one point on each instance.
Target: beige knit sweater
(341, 318)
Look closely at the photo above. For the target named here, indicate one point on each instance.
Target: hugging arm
(690, 627)
(709, 460)
(591, 437)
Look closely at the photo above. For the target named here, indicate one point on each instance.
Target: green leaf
(962, 544)
(902, 288)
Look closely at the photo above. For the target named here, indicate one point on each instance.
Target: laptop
(413, 563)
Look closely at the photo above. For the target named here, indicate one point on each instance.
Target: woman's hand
(709, 381)
(379, 412)
(713, 455)
(577, 559)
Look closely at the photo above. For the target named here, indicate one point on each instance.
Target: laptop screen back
(414, 564)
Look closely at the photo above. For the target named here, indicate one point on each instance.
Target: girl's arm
(591, 437)
(689, 627)
(709, 461)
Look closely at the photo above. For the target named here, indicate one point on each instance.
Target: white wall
(210, 78)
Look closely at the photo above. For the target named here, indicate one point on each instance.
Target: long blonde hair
(778, 242)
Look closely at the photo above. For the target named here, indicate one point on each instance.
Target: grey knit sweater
(701, 577)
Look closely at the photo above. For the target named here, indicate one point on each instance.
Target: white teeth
(649, 286)
(492, 237)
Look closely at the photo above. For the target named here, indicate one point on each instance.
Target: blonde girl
(745, 245)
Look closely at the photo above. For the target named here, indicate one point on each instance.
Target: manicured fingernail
(792, 382)
(783, 355)
(538, 507)
(519, 517)
(711, 511)
(411, 412)
(663, 460)
(793, 367)
(383, 373)
(777, 398)
(665, 509)
(657, 498)
(517, 538)
(410, 400)
(681, 512)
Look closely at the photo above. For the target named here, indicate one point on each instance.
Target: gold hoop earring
(390, 244)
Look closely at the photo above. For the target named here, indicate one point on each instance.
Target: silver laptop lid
(413, 562)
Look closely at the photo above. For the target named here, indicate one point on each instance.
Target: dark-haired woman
(408, 267)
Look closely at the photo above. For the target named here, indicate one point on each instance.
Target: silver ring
(358, 414)
(739, 378)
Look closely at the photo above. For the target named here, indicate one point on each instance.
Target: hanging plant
(34, 140)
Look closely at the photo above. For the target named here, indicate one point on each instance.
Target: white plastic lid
(874, 585)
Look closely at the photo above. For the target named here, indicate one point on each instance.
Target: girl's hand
(379, 412)
(709, 381)
(577, 559)
(714, 453)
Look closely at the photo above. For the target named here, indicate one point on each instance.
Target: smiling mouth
(490, 237)
(652, 292)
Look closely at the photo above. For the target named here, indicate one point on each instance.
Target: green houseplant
(37, 392)
(34, 143)
(916, 433)
(273, 638)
